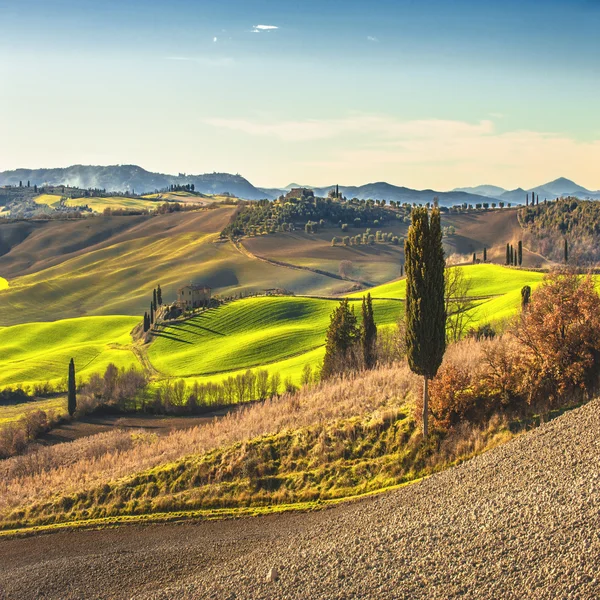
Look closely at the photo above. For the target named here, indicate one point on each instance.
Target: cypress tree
(154, 299)
(507, 254)
(485, 255)
(512, 253)
(520, 253)
(425, 306)
(474, 257)
(368, 332)
(72, 390)
(566, 251)
(342, 334)
(159, 295)
(151, 313)
(146, 322)
(526, 199)
(525, 296)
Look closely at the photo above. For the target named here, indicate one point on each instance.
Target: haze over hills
(123, 178)
(553, 189)
(128, 178)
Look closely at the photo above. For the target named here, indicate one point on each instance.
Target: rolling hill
(280, 334)
(121, 178)
(40, 352)
(109, 265)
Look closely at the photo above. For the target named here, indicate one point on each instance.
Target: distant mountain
(123, 178)
(553, 189)
(493, 191)
(514, 196)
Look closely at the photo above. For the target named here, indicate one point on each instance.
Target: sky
(421, 93)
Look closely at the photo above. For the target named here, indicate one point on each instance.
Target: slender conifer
(72, 390)
(425, 306)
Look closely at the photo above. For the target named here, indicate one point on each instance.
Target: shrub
(560, 337)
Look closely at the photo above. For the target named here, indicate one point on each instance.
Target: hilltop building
(193, 295)
(299, 194)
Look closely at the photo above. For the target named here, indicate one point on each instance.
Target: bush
(548, 359)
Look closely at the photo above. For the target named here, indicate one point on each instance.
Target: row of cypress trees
(514, 258)
(157, 300)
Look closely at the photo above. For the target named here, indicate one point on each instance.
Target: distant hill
(493, 191)
(554, 189)
(124, 178)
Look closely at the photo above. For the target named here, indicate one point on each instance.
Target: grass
(114, 202)
(3, 284)
(255, 332)
(40, 352)
(47, 199)
(13, 412)
(341, 439)
(485, 280)
(280, 334)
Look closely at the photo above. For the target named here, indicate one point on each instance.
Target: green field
(47, 199)
(3, 284)
(40, 352)
(281, 333)
(484, 280)
(11, 413)
(115, 202)
(256, 332)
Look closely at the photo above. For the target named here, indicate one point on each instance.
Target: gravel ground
(521, 521)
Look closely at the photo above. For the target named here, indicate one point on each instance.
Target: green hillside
(3, 284)
(257, 332)
(281, 334)
(40, 352)
(13, 412)
(484, 280)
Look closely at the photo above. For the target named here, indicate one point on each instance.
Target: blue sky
(424, 94)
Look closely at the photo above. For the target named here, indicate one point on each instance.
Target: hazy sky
(421, 93)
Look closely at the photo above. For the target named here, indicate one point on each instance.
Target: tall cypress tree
(485, 255)
(520, 253)
(512, 254)
(507, 254)
(474, 258)
(151, 313)
(154, 299)
(368, 332)
(72, 390)
(342, 335)
(425, 306)
(525, 296)
(159, 295)
(146, 322)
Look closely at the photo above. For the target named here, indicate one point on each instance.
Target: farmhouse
(193, 295)
(299, 194)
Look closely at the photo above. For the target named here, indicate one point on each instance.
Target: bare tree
(458, 304)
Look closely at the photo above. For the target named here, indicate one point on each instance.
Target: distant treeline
(549, 224)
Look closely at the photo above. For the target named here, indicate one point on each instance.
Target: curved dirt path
(521, 521)
(278, 263)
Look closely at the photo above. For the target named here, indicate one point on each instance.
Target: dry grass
(83, 464)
